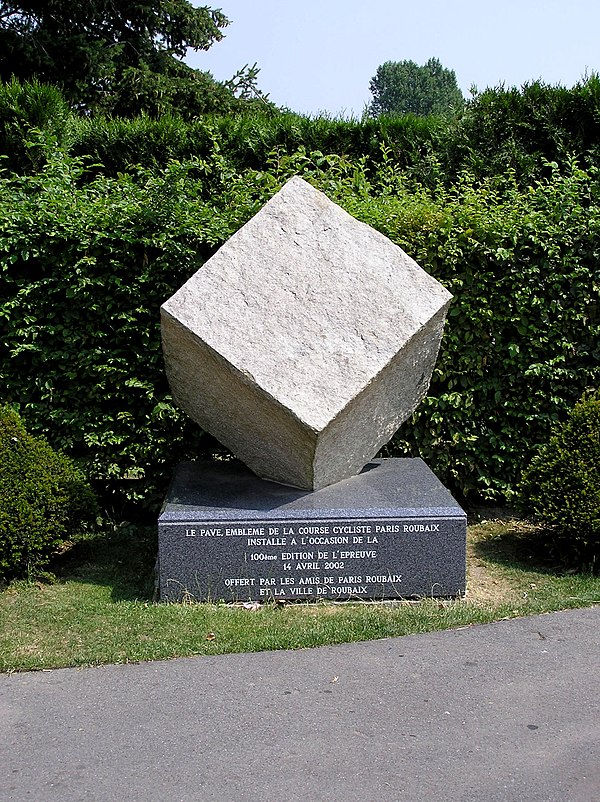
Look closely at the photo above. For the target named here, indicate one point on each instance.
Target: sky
(318, 56)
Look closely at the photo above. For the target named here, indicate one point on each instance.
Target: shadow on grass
(120, 557)
(517, 545)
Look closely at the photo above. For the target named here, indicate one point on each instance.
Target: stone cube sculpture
(305, 341)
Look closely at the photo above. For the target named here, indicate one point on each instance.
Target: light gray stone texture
(305, 341)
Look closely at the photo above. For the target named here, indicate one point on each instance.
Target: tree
(120, 56)
(403, 87)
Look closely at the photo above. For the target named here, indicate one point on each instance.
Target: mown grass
(99, 608)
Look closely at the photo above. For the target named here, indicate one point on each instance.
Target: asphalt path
(503, 712)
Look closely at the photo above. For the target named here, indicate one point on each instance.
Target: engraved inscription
(307, 560)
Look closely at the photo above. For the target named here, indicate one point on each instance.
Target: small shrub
(561, 487)
(44, 498)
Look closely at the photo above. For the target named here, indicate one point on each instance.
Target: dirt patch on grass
(483, 585)
(496, 542)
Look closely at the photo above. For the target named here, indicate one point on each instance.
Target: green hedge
(521, 129)
(256, 141)
(85, 265)
(522, 341)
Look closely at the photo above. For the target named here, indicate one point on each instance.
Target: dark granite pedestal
(393, 531)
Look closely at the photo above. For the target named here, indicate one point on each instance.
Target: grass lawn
(99, 608)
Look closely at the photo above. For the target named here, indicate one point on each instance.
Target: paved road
(504, 712)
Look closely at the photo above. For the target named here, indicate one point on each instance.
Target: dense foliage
(523, 335)
(33, 116)
(520, 130)
(44, 498)
(101, 219)
(86, 260)
(404, 87)
(121, 58)
(561, 487)
(97, 260)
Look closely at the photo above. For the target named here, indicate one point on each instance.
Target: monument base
(393, 531)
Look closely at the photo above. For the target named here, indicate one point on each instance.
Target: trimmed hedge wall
(521, 129)
(249, 141)
(499, 129)
(85, 263)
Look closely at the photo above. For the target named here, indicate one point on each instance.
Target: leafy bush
(247, 141)
(561, 487)
(33, 119)
(44, 498)
(84, 268)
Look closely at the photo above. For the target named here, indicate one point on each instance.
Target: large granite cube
(305, 341)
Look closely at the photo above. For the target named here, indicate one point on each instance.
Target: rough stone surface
(392, 531)
(305, 341)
